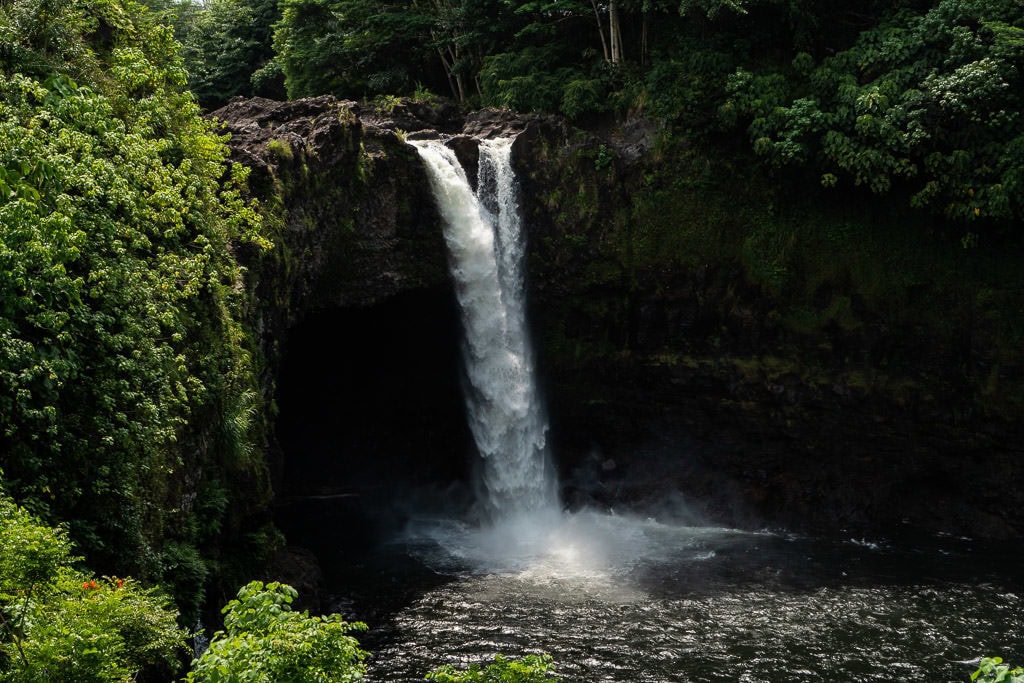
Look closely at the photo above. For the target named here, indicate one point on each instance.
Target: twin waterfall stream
(628, 598)
(485, 248)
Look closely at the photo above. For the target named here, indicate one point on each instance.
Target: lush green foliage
(528, 669)
(58, 623)
(927, 104)
(353, 48)
(918, 99)
(228, 50)
(525, 55)
(992, 670)
(922, 103)
(265, 641)
(122, 357)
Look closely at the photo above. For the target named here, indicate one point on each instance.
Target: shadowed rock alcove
(370, 415)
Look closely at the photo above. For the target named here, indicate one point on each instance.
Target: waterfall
(485, 252)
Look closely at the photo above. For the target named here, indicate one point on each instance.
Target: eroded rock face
(662, 376)
(356, 282)
(357, 222)
(356, 232)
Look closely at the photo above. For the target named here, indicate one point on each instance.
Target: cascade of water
(485, 248)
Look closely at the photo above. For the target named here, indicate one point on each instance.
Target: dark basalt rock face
(662, 380)
(355, 230)
(358, 223)
(662, 377)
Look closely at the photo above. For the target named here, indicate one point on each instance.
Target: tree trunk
(600, 31)
(453, 82)
(614, 31)
(643, 39)
(449, 55)
(462, 88)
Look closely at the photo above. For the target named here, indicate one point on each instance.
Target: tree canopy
(927, 104)
(915, 98)
(228, 47)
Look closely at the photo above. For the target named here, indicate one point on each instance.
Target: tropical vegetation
(527, 669)
(124, 364)
(131, 410)
(265, 641)
(993, 670)
(915, 99)
(59, 622)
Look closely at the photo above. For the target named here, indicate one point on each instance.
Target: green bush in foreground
(992, 670)
(265, 641)
(59, 623)
(529, 669)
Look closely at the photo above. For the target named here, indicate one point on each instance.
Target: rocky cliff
(784, 393)
(673, 362)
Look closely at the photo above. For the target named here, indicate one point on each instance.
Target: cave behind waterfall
(370, 417)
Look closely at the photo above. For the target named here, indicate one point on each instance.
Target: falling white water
(526, 533)
(485, 248)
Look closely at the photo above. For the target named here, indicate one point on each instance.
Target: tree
(228, 47)
(464, 32)
(352, 48)
(552, 64)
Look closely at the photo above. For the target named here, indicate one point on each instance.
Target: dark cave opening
(370, 417)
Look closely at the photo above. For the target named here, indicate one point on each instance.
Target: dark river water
(629, 599)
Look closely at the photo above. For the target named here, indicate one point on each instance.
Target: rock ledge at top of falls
(357, 221)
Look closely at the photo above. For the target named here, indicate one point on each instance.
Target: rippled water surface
(633, 600)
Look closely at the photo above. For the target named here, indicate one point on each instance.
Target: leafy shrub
(264, 641)
(583, 96)
(688, 87)
(529, 669)
(527, 80)
(929, 104)
(58, 623)
(992, 670)
(122, 356)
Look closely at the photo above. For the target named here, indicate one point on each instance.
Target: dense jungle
(772, 274)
